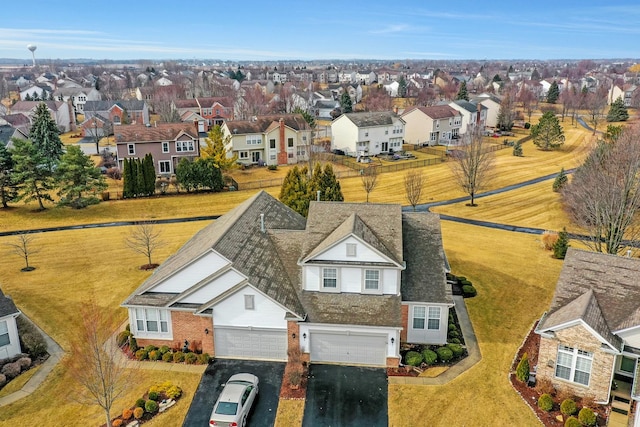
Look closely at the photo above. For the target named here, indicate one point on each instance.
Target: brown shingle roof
(160, 132)
(383, 118)
(436, 111)
(263, 123)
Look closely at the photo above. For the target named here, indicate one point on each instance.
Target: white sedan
(234, 403)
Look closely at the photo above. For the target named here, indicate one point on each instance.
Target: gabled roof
(592, 281)
(469, 106)
(435, 111)
(7, 306)
(383, 118)
(351, 308)
(160, 132)
(7, 132)
(26, 106)
(128, 104)
(17, 120)
(263, 123)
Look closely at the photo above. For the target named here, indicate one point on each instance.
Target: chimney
(262, 229)
(282, 154)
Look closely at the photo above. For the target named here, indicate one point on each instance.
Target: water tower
(32, 48)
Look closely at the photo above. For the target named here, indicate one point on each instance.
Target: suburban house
(472, 114)
(168, 143)
(9, 339)
(590, 336)
(346, 285)
(118, 112)
(434, 125)
(61, 112)
(272, 140)
(77, 96)
(628, 93)
(492, 104)
(35, 91)
(215, 110)
(367, 134)
(8, 132)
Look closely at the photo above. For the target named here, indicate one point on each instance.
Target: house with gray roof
(432, 125)
(473, 114)
(367, 134)
(346, 285)
(9, 339)
(590, 336)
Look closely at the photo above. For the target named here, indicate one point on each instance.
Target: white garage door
(266, 344)
(350, 348)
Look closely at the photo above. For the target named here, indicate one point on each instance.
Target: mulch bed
(299, 393)
(531, 394)
(401, 372)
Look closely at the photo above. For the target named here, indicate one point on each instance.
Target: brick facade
(393, 362)
(293, 328)
(601, 367)
(405, 322)
(187, 327)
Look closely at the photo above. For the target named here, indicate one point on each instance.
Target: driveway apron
(264, 409)
(346, 396)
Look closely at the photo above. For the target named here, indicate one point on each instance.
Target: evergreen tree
(510, 70)
(45, 136)
(128, 179)
(554, 93)
(215, 149)
(149, 175)
(141, 178)
(497, 79)
(294, 190)
(135, 189)
(547, 133)
(77, 175)
(560, 181)
(462, 92)
(535, 75)
(618, 111)
(561, 245)
(402, 87)
(185, 174)
(8, 187)
(34, 179)
(311, 121)
(613, 133)
(330, 186)
(210, 175)
(345, 102)
(517, 149)
(522, 371)
(28, 97)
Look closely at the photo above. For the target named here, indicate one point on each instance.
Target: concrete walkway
(471, 343)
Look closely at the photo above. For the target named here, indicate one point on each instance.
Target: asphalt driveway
(264, 409)
(346, 396)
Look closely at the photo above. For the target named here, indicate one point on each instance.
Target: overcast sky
(306, 29)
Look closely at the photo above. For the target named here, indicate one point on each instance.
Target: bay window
(152, 320)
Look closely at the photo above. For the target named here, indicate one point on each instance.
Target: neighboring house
(9, 339)
(8, 132)
(323, 108)
(78, 96)
(19, 121)
(215, 110)
(435, 125)
(367, 134)
(35, 92)
(472, 114)
(491, 104)
(118, 112)
(346, 286)
(625, 92)
(590, 336)
(61, 112)
(273, 140)
(168, 143)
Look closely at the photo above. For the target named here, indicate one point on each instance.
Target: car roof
(232, 392)
(244, 377)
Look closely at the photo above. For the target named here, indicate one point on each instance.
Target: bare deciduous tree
(377, 99)
(369, 178)
(472, 163)
(145, 239)
(596, 103)
(413, 184)
(95, 364)
(604, 195)
(24, 249)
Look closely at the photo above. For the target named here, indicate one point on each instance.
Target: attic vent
(262, 229)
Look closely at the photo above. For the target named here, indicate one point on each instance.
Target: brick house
(590, 336)
(346, 285)
(215, 110)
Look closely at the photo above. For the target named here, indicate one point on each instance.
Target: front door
(255, 156)
(385, 147)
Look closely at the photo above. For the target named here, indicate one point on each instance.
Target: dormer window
(330, 279)
(371, 280)
(351, 249)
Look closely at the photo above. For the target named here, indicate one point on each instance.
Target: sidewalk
(472, 358)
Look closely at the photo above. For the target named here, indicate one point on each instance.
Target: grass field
(510, 271)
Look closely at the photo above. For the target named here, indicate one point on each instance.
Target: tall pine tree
(554, 93)
(462, 92)
(330, 186)
(294, 190)
(618, 111)
(8, 187)
(35, 181)
(45, 136)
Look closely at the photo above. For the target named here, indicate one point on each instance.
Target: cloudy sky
(305, 29)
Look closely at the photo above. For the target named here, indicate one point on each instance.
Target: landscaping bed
(156, 400)
(295, 377)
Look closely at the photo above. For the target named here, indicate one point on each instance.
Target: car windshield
(226, 408)
(241, 382)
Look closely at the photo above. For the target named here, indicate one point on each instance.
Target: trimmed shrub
(587, 417)
(11, 370)
(455, 341)
(138, 412)
(272, 167)
(522, 371)
(178, 357)
(465, 282)
(142, 354)
(204, 359)
(461, 279)
(544, 386)
(527, 125)
(123, 338)
(545, 402)
(127, 328)
(453, 327)
(154, 355)
(430, 356)
(549, 238)
(568, 407)
(454, 334)
(117, 422)
(167, 357)
(24, 362)
(3, 380)
(151, 406)
(173, 392)
(164, 349)
(469, 291)
(133, 344)
(456, 349)
(140, 403)
(413, 358)
(572, 422)
(190, 358)
(150, 348)
(444, 354)
(154, 395)
(127, 414)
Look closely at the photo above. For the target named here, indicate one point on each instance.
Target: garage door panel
(250, 343)
(348, 348)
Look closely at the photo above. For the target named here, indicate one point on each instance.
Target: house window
(301, 151)
(116, 120)
(627, 364)
(419, 315)
(351, 249)
(131, 149)
(182, 146)
(434, 136)
(272, 144)
(366, 134)
(371, 280)
(330, 278)
(164, 166)
(243, 155)
(165, 147)
(573, 364)
(254, 140)
(249, 302)
(152, 320)
(290, 142)
(4, 334)
(433, 322)
(386, 131)
(272, 157)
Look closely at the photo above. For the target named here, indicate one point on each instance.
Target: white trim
(144, 333)
(324, 288)
(580, 322)
(239, 287)
(350, 235)
(376, 291)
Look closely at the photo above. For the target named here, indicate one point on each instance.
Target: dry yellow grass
(290, 413)
(17, 383)
(433, 371)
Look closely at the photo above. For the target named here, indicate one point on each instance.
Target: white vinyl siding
(574, 365)
(4, 334)
(427, 323)
(249, 302)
